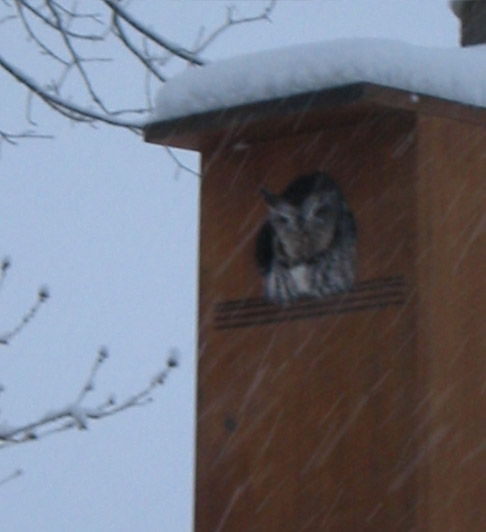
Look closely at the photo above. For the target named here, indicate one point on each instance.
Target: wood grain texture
(367, 295)
(451, 259)
(310, 425)
(372, 419)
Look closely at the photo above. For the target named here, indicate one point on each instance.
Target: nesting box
(362, 411)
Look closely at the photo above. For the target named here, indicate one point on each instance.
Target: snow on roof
(457, 74)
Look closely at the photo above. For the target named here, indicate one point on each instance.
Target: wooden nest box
(360, 412)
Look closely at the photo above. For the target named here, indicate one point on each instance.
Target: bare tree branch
(61, 33)
(171, 47)
(31, 33)
(77, 415)
(180, 165)
(232, 20)
(16, 474)
(4, 267)
(42, 297)
(62, 29)
(74, 14)
(7, 18)
(141, 56)
(67, 109)
(13, 138)
(76, 61)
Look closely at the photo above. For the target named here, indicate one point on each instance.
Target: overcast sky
(98, 216)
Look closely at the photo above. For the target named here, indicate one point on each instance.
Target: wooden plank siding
(362, 412)
(310, 424)
(451, 262)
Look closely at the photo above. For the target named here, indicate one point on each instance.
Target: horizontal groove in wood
(366, 295)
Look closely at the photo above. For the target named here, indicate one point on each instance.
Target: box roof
(260, 121)
(300, 88)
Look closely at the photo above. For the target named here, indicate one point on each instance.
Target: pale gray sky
(98, 217)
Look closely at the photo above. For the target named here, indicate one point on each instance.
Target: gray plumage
(307, 246)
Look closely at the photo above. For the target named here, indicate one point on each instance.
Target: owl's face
(305, 229)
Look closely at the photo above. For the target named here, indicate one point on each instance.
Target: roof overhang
(301, 113)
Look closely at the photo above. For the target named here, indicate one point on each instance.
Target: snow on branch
(77, 414)
(71, 44)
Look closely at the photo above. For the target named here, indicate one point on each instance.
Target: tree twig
(171, 47)
(4, 267)
(42, 297)
(137, 53)
(231, 21)
(16, 474)
(77, 415)
(76, 60)
(60, 32)
(67, 109)
(52, 24)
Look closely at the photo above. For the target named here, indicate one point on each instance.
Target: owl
(307, 245)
